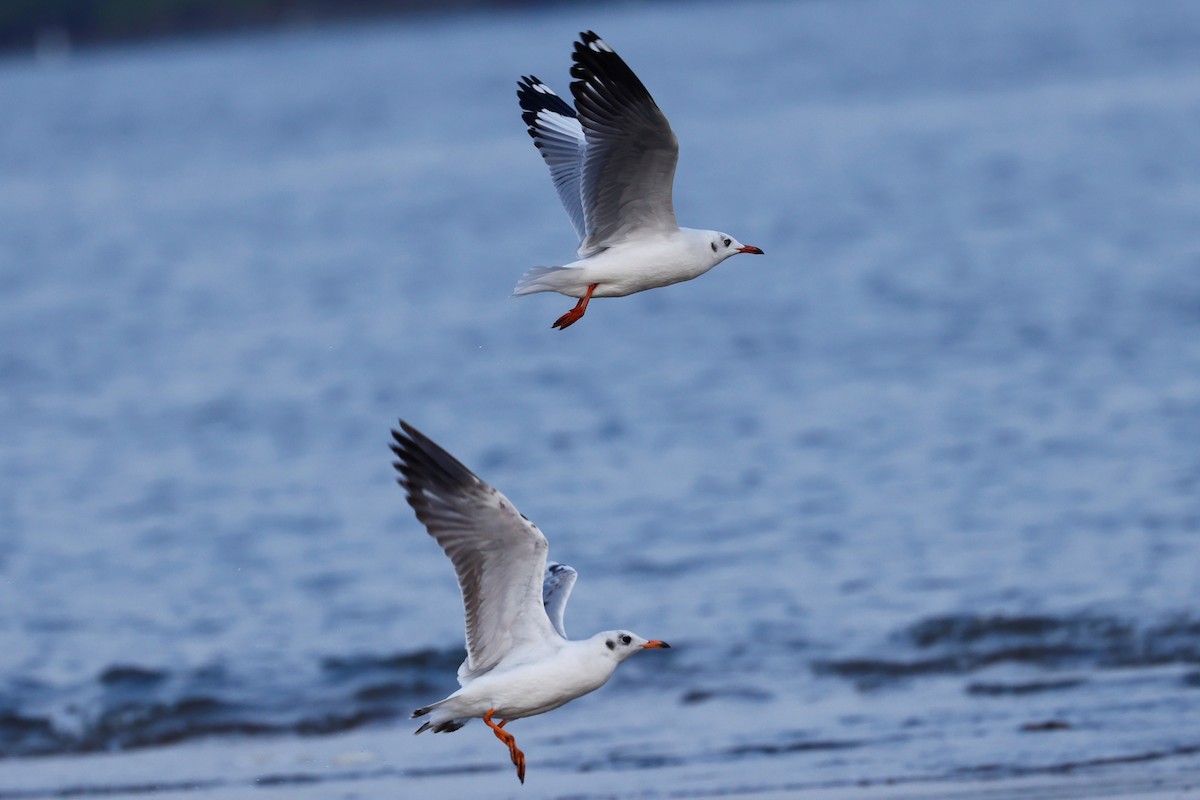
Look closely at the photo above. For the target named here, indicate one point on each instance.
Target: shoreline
(374, 764)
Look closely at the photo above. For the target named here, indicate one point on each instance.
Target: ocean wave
(965, 643)
(128, 706)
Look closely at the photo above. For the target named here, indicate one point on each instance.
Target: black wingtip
(598, 70)
(535, 96)
(407, 437)
(588, 43)
(421, 461)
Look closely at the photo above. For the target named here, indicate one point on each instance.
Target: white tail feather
(543, 279)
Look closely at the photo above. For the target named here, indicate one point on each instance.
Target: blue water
(916, 494)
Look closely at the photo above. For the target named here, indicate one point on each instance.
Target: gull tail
(545, 279)
(449, 726)
(438, 726)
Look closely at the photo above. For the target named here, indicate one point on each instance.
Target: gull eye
(728, 241)
(626, 639)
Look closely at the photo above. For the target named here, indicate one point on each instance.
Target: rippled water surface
(915, 495)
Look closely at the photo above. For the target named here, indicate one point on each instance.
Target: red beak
(750, 249)
(655, 643)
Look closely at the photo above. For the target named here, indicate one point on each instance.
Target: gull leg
(518, 758)
(576, 313)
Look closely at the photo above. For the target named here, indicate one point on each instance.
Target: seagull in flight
(519, 659)
(612, 159)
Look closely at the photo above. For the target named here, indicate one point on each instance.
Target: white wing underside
(498, 554)
(612, 158)
(559, 138)
(556, 588)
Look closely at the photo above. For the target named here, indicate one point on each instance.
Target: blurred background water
(913, 495)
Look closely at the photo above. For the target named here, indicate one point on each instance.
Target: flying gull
(612, 159)
(519, 659)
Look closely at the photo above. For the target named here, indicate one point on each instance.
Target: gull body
(519, 660)
(612, 160)
(650, 262)
(537, 679)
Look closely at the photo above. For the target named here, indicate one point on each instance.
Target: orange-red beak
(655, 643)
(750, 249)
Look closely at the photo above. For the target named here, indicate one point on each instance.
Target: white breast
(649, 263)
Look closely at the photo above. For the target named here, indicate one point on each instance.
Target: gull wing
(556, 588)
(498, 554)
(630, 154)
(558, 136)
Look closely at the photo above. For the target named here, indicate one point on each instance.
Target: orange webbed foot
(518, 758)
(568, 319)
(575, 314)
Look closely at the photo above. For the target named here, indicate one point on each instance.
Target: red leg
(576, 313)
(518, 758)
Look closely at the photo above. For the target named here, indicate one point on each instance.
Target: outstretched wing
(629, 160)
(498, 554)
(556, 588)
(558, 135)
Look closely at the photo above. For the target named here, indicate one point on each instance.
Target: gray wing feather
(498, 554)
(631, 153)
(556, 588)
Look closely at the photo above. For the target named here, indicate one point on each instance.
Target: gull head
(723, 246)
(620, 645)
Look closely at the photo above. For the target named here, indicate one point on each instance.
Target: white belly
(533, 689)
(626, 270)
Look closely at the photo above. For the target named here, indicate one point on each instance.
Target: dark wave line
(128, 707)
(1014, 771)
(960, 644)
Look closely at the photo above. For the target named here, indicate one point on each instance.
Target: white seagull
(519, 660)
(613, 164)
